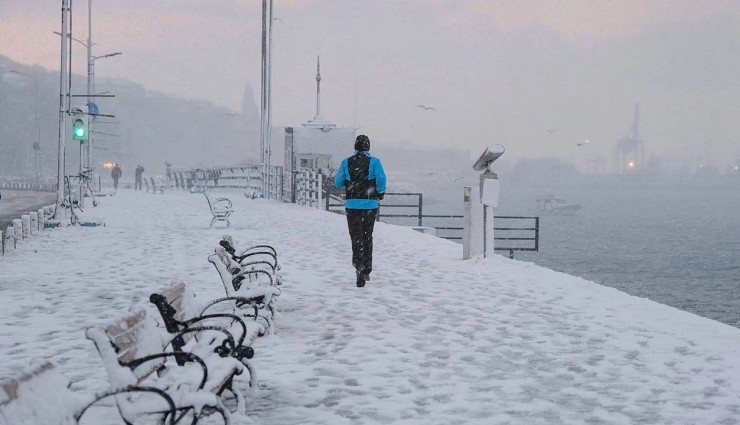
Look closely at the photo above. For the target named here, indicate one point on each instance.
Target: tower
(318, 144)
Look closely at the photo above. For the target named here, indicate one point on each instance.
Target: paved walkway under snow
(431, 339)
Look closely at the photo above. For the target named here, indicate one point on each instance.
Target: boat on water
(551, 204)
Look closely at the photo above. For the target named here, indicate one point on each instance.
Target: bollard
(42, 219)
(26, 226)
(34, 227)
(18, 231)
(9, 239)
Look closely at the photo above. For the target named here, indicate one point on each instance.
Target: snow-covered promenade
(431, 339)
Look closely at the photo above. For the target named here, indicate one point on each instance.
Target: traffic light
(79, 130)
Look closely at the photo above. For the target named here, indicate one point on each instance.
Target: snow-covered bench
(133, 347)
(241, 283)
(257, 257)
(226, 333)
(41, 396)
(220, 209)
(156, 188)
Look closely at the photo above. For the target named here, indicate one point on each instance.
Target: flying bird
(550, 130)
(583, 143)
(426, 108)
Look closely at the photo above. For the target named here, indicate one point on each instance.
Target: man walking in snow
(137, 177)
(363, 179)
(115, 174)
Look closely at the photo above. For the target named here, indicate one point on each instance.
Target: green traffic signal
(79, 131)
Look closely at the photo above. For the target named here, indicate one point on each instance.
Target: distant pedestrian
(363, 179)
(137, 177)
(115, 174)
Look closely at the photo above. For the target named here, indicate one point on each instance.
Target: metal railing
(247, 178)
(520, 238)
(519, 235)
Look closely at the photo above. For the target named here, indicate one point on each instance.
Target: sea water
(677, 243)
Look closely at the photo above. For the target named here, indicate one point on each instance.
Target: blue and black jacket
(363, 178)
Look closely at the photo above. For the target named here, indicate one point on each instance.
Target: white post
(473, 237)
(488, 241)
(26, 226)
(9, 239)
(487, 197)
(34, 228)
(321, 190)
(42, 219)
(489, 194)
(17, 230)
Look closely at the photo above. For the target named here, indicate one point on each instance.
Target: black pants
(361, 223)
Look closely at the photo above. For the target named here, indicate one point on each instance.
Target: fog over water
(677, 243)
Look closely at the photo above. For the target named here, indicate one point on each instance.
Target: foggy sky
(536, 76)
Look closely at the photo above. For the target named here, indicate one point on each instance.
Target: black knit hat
(362, 143)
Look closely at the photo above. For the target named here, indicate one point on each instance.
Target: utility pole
(63, 100)
(265, 121)
(90, 118)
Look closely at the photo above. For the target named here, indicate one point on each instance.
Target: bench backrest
(219, 206)
(260, 293)
(125, 339)
(175, 302)
(40, 396)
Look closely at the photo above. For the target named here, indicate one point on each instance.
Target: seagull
(583, 143)
(550, 130)
(426, 108)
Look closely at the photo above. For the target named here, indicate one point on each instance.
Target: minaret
(318, 116)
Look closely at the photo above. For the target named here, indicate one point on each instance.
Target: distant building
(317, 144)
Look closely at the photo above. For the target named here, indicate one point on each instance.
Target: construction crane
(629, 151)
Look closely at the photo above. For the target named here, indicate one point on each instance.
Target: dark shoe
(360, 280)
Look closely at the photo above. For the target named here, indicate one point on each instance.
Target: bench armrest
(221, 315)
(239, 302)
(272, 265)
(237, 282)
